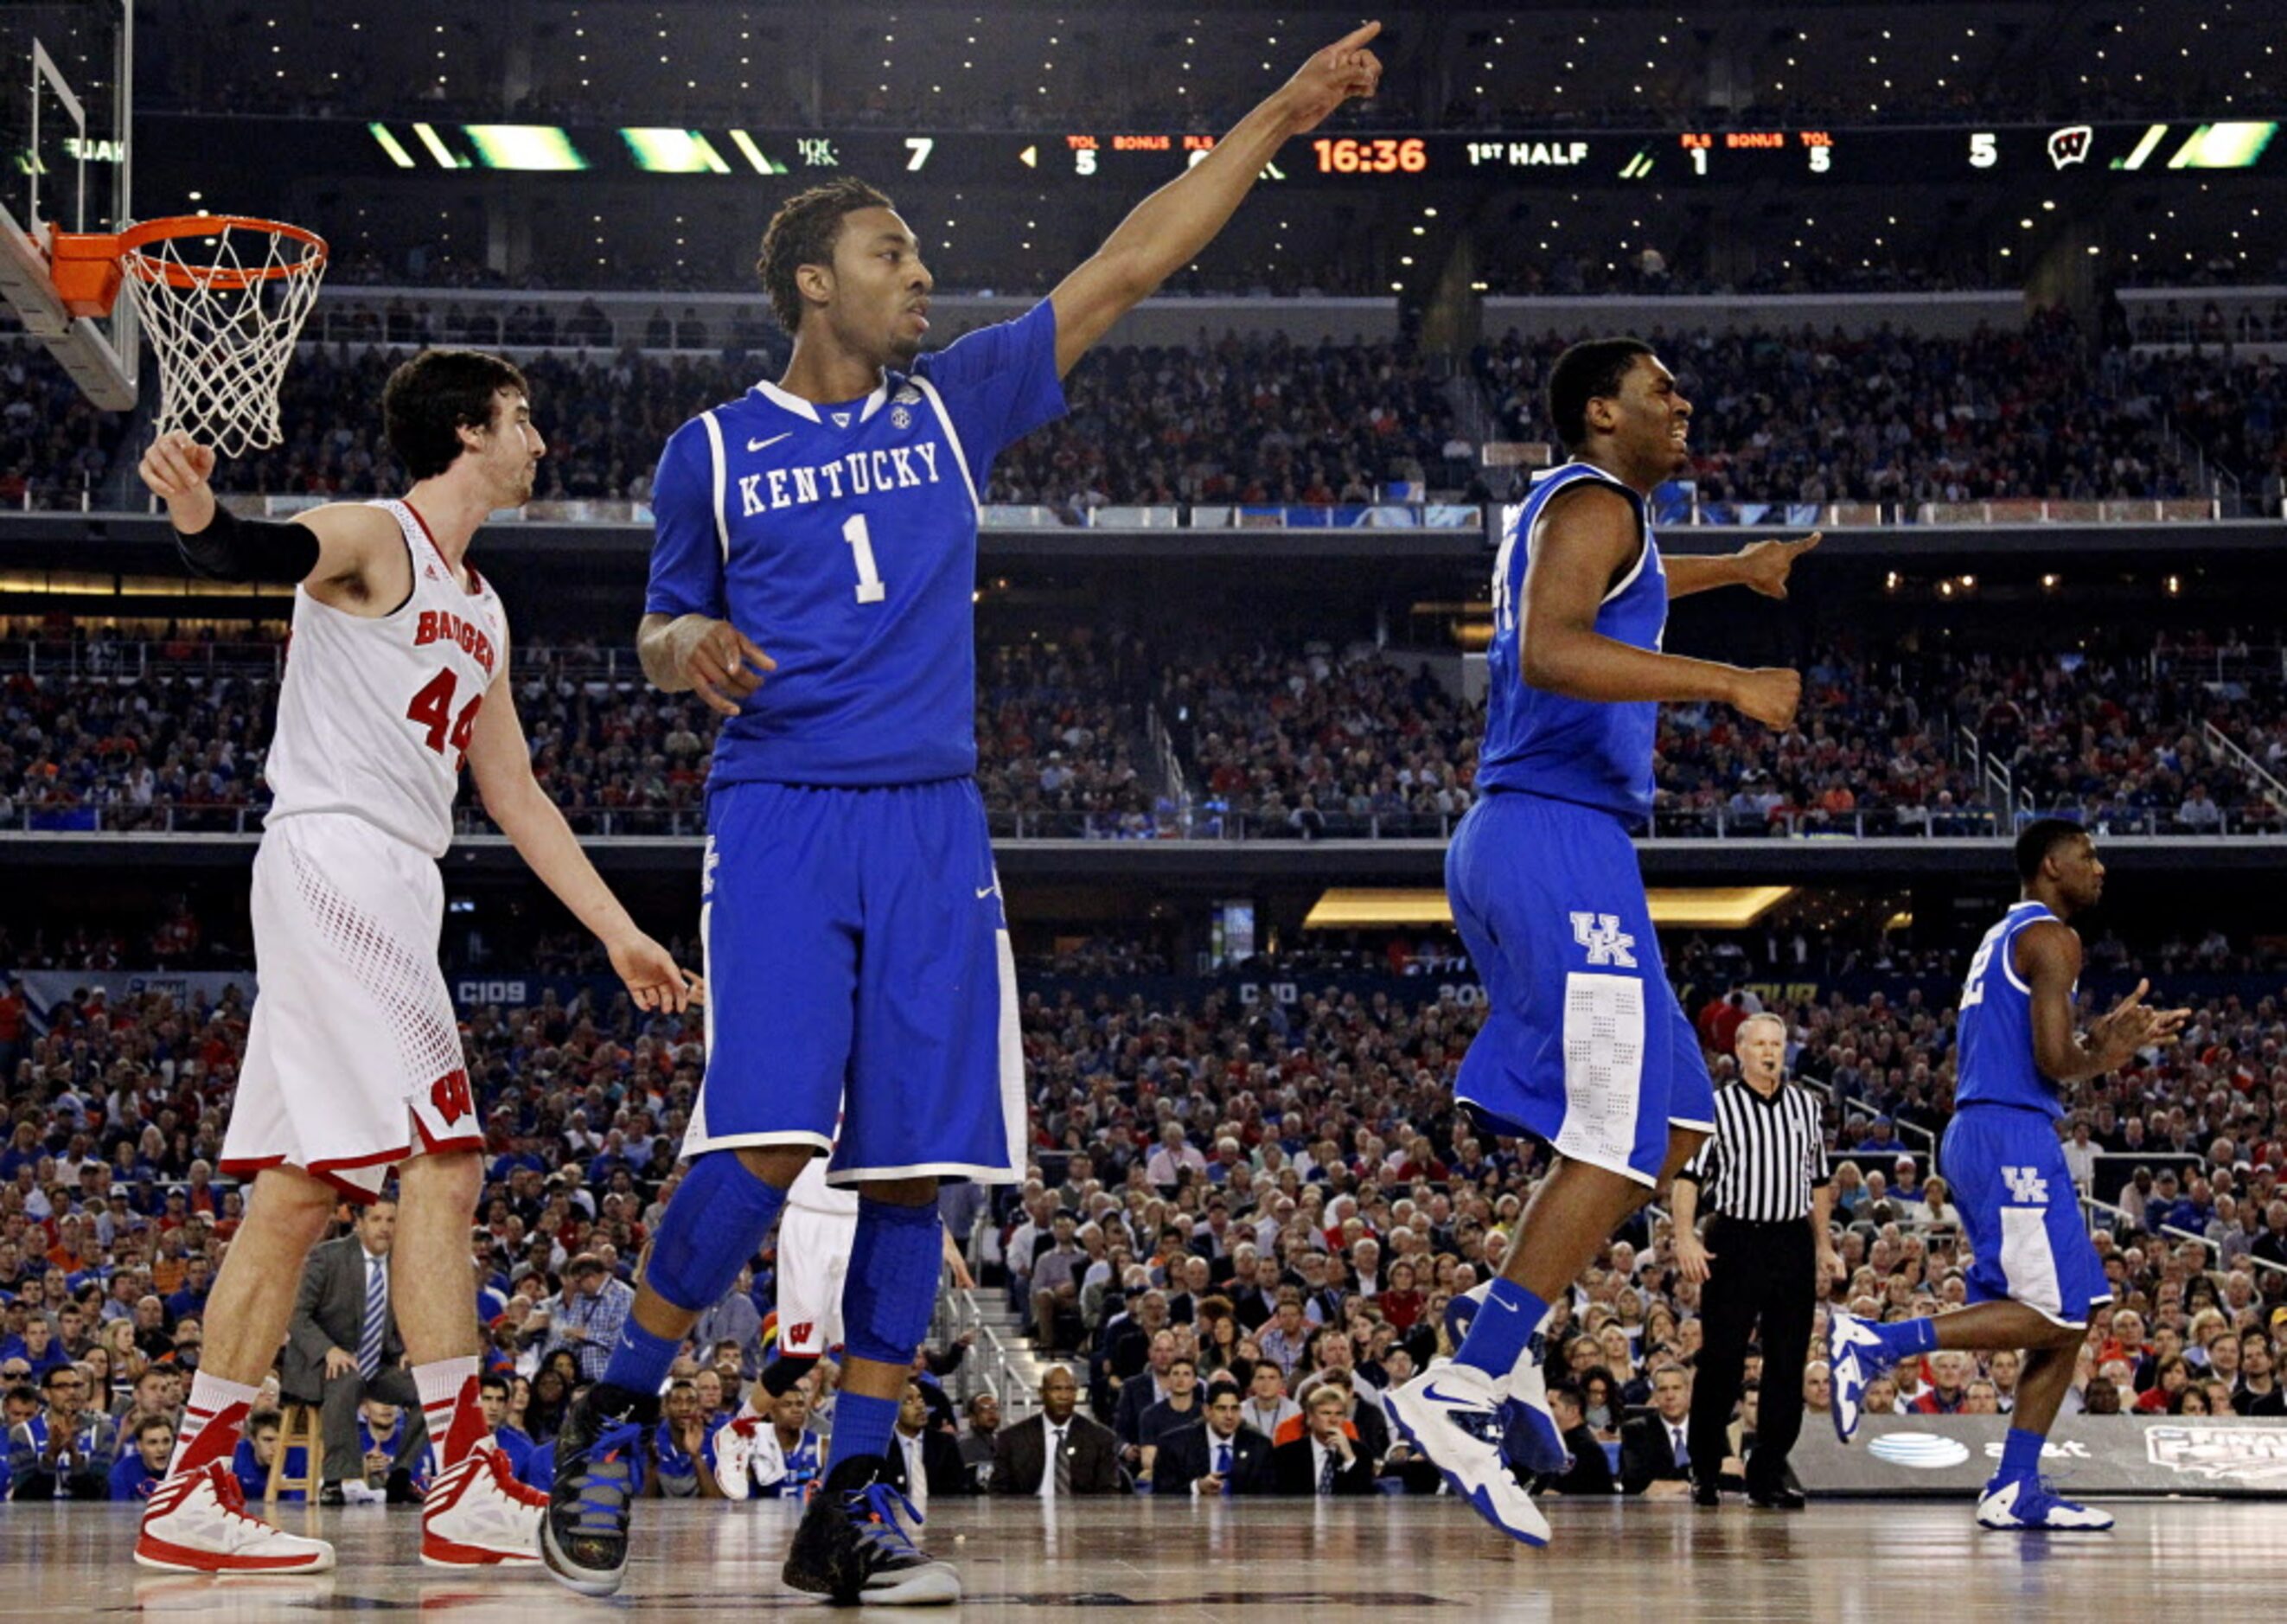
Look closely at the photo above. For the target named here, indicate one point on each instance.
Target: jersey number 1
(870, 589)
(432, 708)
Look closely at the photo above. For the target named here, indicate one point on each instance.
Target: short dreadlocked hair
(803, 231)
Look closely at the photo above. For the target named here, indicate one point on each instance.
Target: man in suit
(1655, 1450)
(342, 1345)
(1022, 1454)
(924, 1461)
(1324, 1460)
(1218, 1456)
(1590, 1472)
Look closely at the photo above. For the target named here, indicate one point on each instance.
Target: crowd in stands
(1289, 739)
(1275, 1203)
(1893, 416)
(1780, 416)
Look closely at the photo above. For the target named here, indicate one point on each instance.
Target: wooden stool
(298, 1426)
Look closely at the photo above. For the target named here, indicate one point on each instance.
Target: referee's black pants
(1763, 1275)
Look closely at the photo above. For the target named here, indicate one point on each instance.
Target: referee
(1767, 1251)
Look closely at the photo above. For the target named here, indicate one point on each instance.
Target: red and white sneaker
(196, 1523)
(478, 1514)
(734, 1455)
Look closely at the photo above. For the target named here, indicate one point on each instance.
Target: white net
(221, 313)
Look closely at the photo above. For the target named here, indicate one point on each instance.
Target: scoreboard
(1125, 160)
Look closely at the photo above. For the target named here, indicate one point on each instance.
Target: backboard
(66, 92)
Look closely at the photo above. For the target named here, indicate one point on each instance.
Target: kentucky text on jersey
(1997, 1065)
(1593, 752)
(863, 472)
(842, 538)
(444, 626)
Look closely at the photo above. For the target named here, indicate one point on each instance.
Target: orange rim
(128, 249)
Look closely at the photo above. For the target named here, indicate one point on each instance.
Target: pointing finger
(1810, 541)
(1358, 36)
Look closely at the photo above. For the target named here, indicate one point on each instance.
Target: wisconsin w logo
(2070, 145)
(2026, 1187)
(1606, 942)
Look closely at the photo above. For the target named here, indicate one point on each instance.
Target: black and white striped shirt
(1766, 1157)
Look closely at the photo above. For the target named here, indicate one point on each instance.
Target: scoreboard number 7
(920, 146)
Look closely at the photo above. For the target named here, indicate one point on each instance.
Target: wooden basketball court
(1277, 1561)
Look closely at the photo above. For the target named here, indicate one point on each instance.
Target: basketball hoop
(222, 299)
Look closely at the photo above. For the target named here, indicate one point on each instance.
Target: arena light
(523, 146)
(1687, 908)
(661, 151)
(394, 147)
(2224, 146)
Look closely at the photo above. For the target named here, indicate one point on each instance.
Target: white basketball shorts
(354, 1056)
(813, 1256)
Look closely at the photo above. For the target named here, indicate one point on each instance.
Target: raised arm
(1585, 540)
(1760, 565)
(344, 551)
(1168, 229)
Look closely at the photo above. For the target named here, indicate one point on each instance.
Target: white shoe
(2026, 1502)
(1452, 1414)
(478, 1514)
(734, 1455)
(1855, 1356)
(196, 1523)
(357, 1492)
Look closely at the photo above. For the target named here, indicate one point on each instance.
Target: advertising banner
(2086, 1455)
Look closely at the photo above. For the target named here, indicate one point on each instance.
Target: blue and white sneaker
(1856, 1354)
(2031, 1502)
(1531, 1442)
(1452, 1414)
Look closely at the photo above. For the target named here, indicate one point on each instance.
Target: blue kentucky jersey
(842, 540)
(1996, 1067)
(1590, 751)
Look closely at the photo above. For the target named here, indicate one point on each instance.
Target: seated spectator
(1655, 1458)
(1591, 1471)
(144, 1463)
(924, 1460)
(1325, 1459)
(1058, 1451)
(1217, 1456)
(64, 1452)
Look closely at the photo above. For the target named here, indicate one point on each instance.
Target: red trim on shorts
(357, 1194)
(432, 1147)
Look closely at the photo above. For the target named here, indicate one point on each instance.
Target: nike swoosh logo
(1507, 1308)
(983, 891)
(761, 445)
(1435, 1397)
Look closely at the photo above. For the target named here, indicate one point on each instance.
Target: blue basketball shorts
(857, 962)
(2028, 1241)
(1584, 1045)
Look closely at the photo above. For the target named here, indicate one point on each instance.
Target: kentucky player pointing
(2035, 1276)
(851, 905)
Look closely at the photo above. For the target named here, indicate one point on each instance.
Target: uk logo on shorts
(2026, 1187)
(707, 871)
(1606, 942)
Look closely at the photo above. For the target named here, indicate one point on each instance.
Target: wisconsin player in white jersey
(397, 675)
